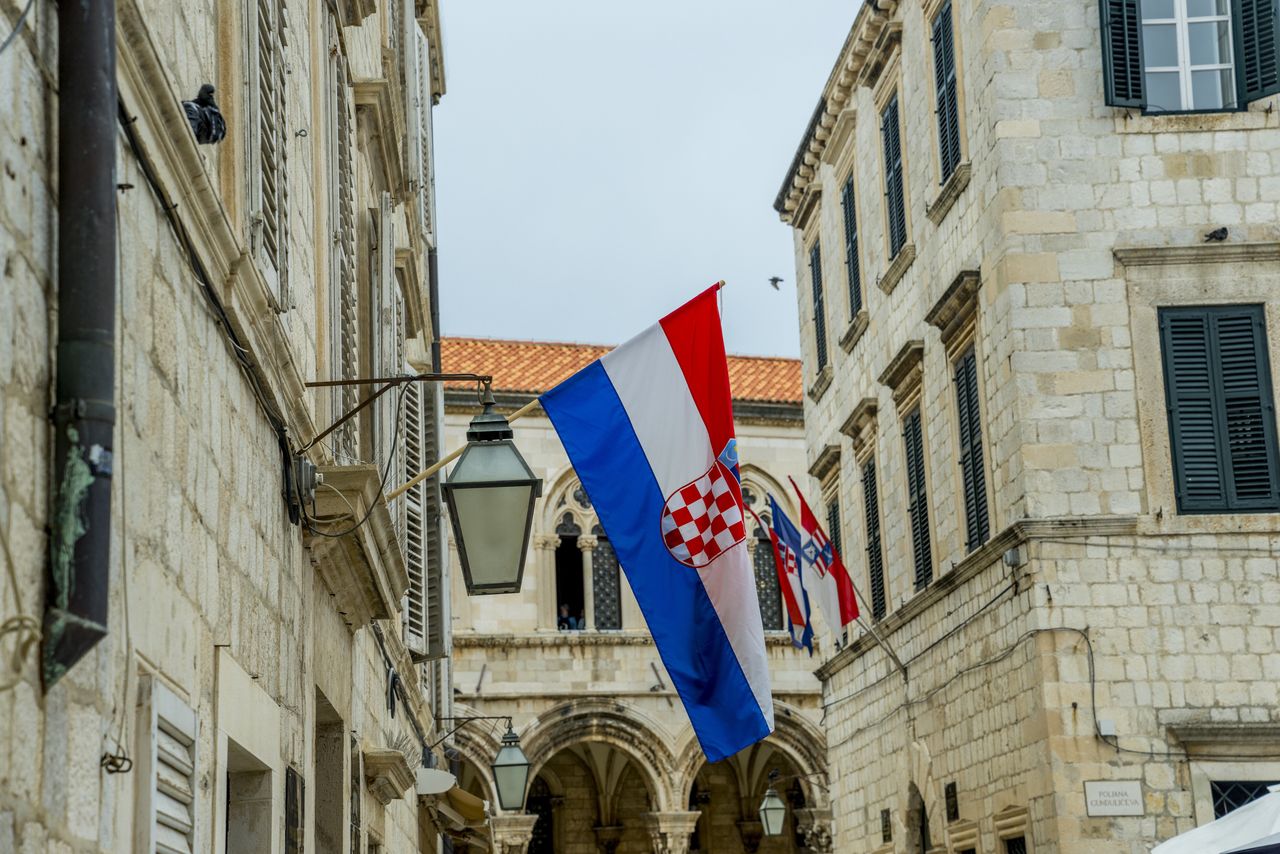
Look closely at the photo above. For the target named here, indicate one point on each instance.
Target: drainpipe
(433, 294)
(75, 617)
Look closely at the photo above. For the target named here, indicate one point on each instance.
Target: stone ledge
(1200, 253)
(897, 268)
(950, 192)
(821, 383)
(828, 459)
(586, 637)
(1131, 121)
(388, 774)
(855, 330)
(1208, 738)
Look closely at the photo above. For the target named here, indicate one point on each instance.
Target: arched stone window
(606, 592)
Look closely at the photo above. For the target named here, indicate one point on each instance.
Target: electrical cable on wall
(17, 27)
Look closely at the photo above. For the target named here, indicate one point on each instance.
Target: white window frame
(1182, 22)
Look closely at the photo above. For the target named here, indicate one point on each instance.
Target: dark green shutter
(833, 524)
(973, 473)
(847, 204)
(875, 554)
(1221, 409)
(917, 500)
(948, 107)
(293, 810)
(894, 202)
(819, 306)
(1256, 26)
(1122, 53)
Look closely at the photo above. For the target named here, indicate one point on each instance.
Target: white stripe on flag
(653, 390)
(730, 584)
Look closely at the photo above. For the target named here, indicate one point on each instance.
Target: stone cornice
(165, 139)
(866, 48)
(1198, 253)
(828, 460)
(1027, 530)
(1208, 737)
(957, 305)
(376, 103)
(428, 14)
(903, 373)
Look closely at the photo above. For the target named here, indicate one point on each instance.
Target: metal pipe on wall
(76, 600)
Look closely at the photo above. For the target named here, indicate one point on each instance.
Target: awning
(466, 804)
(1252, 823)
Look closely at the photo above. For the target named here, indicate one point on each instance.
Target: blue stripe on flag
(602, 445)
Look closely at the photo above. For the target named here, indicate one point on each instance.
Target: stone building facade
(270, 675)
(615, 765)
(1039, 321)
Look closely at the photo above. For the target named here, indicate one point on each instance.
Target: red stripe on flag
(844, 584)
(694, 332)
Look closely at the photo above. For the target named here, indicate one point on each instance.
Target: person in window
(580, 621)
(564, 622)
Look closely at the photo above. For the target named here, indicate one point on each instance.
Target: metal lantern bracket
(387, 383)
(469, 719)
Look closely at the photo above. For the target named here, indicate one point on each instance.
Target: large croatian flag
(649, 430)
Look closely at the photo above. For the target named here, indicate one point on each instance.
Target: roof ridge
(582, 345)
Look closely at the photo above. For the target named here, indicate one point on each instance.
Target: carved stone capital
(512, 832)
(608, 837)
(546, 541)
(751, 831)
(814, 826)
(670, 831)
(587, 542)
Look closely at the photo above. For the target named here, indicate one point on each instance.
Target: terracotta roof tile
(532, 367)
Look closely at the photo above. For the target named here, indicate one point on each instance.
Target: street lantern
(510, 772)
(773, 812)
(491, 494)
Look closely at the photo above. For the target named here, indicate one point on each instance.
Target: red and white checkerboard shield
(703, 519)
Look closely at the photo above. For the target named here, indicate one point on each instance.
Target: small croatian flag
(649, 430)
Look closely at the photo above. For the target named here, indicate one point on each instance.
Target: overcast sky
(598, 162)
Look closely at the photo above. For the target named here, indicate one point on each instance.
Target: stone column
(587, 543)
(512, 832)
(544, 562)
(670, 831)
(814, 825)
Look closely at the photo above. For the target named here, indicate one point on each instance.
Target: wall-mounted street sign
(1113, 797)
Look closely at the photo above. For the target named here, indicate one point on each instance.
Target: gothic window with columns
(606, 592)
(570, 592)
(762, 560)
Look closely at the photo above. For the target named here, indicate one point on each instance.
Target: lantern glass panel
(492, 523)
(773, 812)
(510, 774)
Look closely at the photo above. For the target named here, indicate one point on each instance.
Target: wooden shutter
(415, 552)
(894, 202)
(166, 771)
(819, 305)
(1221, 409)
(439, 632)
(1122, 53)
(294, 811)
(268, 175)
(972, 470)
(848, 206)
(1256, 25)
(948, 107)
(917, 500)
(875, 552)
(419, 121)
(344, 343)
(385, 334)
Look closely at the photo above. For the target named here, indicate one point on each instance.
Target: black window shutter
(875, 555)
(1122, 53)
(918, 503)
(948, 107)
(833, 524)
(819, 306)
(973, 473)
(851, 247)
(894, 202)
(293, 811)
(1256, 25)
(1221, 409)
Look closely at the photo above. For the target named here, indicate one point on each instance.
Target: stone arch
(796, 737)
(919, 791)
(565, 483)
(582, 721)
(753, 474)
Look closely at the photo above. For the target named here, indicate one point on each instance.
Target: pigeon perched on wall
(1217, 235)
(205, 117)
